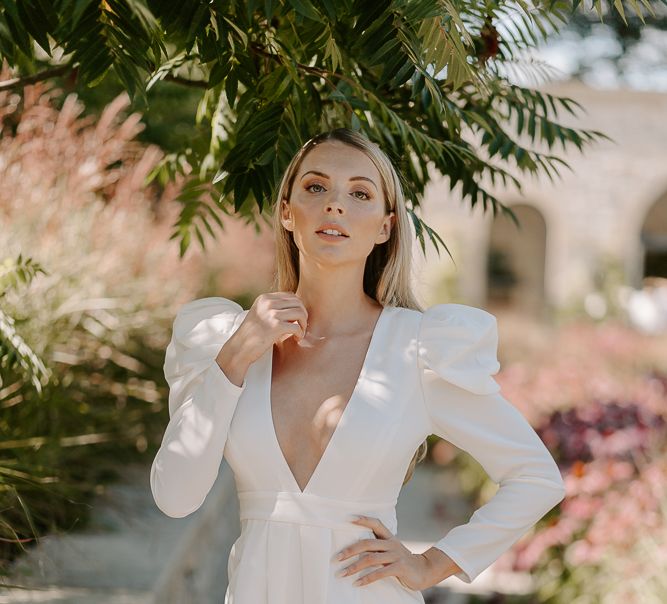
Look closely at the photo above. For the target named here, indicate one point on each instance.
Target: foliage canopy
(428, 81)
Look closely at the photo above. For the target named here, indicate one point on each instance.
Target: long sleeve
(202, 401)
(457, 360)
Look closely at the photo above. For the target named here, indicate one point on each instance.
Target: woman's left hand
(387, 551)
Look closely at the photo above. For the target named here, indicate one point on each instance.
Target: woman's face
(337, 183)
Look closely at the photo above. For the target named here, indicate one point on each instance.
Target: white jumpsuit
(424, 373)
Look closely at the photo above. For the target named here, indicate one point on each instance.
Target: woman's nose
(335, 201)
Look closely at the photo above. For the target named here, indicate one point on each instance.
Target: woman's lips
(328, 237)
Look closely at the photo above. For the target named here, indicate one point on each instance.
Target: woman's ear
(387, 225)
(285, 213)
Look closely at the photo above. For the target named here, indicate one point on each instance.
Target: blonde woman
(321, 395)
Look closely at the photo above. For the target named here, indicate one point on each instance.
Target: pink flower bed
(597, 396)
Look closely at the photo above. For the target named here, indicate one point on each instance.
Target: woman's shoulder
(452, 313)
(448, 315)
(460, 343)
(208, 305)
(201, 318)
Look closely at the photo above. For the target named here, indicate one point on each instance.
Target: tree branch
(35, 77)
(185, 82)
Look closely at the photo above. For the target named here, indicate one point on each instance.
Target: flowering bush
(597, 397)
(615, 469)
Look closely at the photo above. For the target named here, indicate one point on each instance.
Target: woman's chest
(309, 390)
(377, 429)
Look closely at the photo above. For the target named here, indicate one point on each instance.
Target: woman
(321, 395)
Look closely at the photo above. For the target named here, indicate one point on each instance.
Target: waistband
(314, 510)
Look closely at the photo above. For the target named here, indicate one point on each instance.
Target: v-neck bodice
(424, 373)
(348, 409)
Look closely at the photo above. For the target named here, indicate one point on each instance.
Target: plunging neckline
(343, 417)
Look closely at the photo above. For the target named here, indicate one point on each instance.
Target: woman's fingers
(393, 557)
(363, 545)
(287, 310)
(386, 571)
(380, 530)
(294, 320)
(366, 560)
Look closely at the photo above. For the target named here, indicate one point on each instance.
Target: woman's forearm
(233, 359)
(440, 564)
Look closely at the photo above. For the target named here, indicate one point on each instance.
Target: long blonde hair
(388, 266)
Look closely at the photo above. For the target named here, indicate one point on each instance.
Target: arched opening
(654, 240)
(516, 262)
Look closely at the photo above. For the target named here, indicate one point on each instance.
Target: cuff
(466, 574)
(221, 380)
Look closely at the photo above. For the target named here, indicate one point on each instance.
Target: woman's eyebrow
(323, 175)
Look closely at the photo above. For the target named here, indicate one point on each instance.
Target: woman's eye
(363, 193)
(315, 184)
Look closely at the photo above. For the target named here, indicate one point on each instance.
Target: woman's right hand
(272, 318)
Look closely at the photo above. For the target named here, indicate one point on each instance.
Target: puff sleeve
(457, 359)
(202, 401)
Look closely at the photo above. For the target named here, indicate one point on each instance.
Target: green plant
(420, 78)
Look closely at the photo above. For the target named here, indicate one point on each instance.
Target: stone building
(599, 227)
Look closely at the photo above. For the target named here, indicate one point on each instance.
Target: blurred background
(579, 288)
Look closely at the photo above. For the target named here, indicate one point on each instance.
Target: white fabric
(424, 373)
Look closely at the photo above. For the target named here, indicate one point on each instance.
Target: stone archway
(516, 263)
(653, 238)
